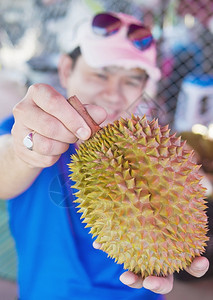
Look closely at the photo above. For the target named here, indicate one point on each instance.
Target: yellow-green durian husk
(139, 191)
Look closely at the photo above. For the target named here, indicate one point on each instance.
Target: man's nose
(113, 92)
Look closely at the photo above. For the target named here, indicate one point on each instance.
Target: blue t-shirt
(56, 259)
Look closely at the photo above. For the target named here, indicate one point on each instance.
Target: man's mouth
(112, 115)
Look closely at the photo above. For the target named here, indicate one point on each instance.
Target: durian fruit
(139, 191)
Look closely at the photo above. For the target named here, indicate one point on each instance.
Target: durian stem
(78, 106)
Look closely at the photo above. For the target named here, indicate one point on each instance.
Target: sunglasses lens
(105, 24)
(140, 36)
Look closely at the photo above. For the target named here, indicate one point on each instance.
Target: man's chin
(110, 119)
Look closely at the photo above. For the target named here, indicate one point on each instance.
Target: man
(107, 71)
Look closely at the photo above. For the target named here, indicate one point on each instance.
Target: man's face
(113, 88)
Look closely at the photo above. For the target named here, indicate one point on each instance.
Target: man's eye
(133, 83)
(101, 75)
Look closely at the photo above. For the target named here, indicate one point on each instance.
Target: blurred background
(33, 33)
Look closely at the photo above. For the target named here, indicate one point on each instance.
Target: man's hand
(55, 122)
(161, 285)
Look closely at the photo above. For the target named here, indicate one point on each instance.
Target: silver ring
(28, 140)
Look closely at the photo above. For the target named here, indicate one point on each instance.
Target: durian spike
(78, 106)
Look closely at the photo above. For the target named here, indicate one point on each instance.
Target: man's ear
(64, 69)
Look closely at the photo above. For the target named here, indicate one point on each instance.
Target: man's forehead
(116, 69)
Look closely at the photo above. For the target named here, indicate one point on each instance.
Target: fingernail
(127, 278)
(199, 268)
(150, 284)
(83, 133)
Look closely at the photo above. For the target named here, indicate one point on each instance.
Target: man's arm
(15, 175)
